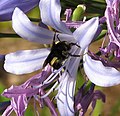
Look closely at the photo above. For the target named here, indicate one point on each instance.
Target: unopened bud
(78, 12)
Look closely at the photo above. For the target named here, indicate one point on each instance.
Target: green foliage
(29, 111)
(79, 80)
(115, 109)
(2, 88)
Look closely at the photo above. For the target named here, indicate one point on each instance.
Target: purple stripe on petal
(61, 98)
(7, 7)
(66, 95)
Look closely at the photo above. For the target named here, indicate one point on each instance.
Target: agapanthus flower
(27, 30)
(31, 60)
(98, 71)
(105, 71)
(7, 7)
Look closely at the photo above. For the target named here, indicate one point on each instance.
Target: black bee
(59, 53)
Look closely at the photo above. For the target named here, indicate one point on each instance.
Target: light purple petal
(73, 64)
(85, 33)
(110, 23)
(15, 91)
(99, 74)
(26, 61)
(50, 15)
(19, 104)
(61, 99)
(7, 7)
(66, 91)
(65, 100)
(109, 2)
(27, 30)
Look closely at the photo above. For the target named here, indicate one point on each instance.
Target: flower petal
(99, 74)
(65, 97)
(26, 61)
(70, 96)
(109, 2)
(27, 30)
(110, 24)
(19, 104)
(73, 64)
(7, 7)
(16, 91)
(85, 33)
(8, 111)
(50, 15)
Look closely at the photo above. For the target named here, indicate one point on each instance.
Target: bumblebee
(59, 53)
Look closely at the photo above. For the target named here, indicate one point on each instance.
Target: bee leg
(74, 55)
(75, 44)
(58, 37)
(54, 39)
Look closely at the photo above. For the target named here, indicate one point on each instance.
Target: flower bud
(78, 13)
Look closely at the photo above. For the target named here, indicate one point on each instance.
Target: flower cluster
(73, 38)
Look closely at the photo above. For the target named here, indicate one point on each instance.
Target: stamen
(84, 18)
(62, 82)
(68, 13)
(53, 87)
(52, 76)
